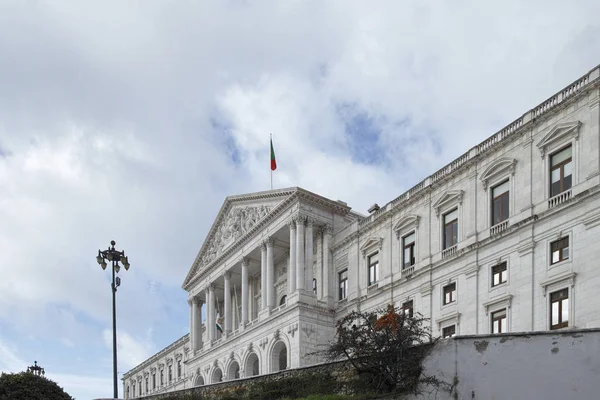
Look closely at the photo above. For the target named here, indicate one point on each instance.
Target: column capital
(263, 246)
(310, 222)
(327, 229)
(227, 275)
(211, 287)
(245, 261)
(198, 300)
(292, 223)
(299, 219)
(269, 241)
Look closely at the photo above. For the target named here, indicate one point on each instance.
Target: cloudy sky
(132, 120)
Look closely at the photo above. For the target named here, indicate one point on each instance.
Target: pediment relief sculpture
(238, 222)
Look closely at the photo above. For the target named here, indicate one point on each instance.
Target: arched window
(283, 300)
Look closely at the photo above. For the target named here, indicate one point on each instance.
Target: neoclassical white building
(506, 238)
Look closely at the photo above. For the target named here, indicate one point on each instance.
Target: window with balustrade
(408, 253)
(450, 228)
(561, 171)
(500, 203)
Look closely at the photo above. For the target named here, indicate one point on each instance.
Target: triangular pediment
(448, 197)
(374, 242)
(238, 216)
(560, 131)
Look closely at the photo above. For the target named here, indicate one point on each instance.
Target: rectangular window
(499, 321)
(499, 274)
(170, 373)
(146, 385)
(450, 229)
(314, 285)
(450, 293)
(561, 166)
(449, 331)
(500, 197)
(373, 268)
(407, 308)
(162, 381)
(134, 390)
(343, 284)
(408, 255)
(178, 368)
(153, 381)
(559, 250)
(559, 309)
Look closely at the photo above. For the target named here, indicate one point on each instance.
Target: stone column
(263, 275)
(328, 276)
(227, 305)
(300, 278)
(250, 300)
(270, 274)
(292, 269)
(245, 262)
(308, 250)
(198, 333)
(193, 323)
(211, 328)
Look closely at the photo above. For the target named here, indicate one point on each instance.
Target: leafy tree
(385, 351)
(28, 386)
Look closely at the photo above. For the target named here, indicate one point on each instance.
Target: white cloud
(130, 351)
(119, 122)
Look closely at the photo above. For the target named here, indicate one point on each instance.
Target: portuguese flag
(273, 161)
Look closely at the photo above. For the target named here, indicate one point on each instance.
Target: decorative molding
(276, 334)
(372, 242)
(506, 299)
(453, 316)
(263, 343)
(292, 329)
(560, 131)
(410, 221)
(496, 168)
(526, 247)
(567, 276)
(447, 198)
(592, 221)
(472, 270)
(426, 289)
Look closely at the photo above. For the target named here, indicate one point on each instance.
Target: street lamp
(114, 257)
(36, 369)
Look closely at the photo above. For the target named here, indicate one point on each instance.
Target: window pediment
(498, 167)
(502, 300)
(561, 131)
(565, 277)
(448, 198)
(407, 222)
(372, 243)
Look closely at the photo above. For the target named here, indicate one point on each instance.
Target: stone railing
(496, 229)
(576, 87)
(449, 252)
(559, 198)
(408, 271)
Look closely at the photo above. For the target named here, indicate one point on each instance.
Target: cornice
(145, 364)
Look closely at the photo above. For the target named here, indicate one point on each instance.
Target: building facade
(505, 238)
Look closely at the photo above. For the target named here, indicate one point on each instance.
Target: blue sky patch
(362, 134)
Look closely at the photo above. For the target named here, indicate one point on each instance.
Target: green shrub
(28, 386)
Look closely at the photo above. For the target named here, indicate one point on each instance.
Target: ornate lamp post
(114, 256)
(36, 369)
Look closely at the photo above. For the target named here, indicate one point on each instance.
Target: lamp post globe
(114, 257)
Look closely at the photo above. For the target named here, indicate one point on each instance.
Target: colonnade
(299, 278)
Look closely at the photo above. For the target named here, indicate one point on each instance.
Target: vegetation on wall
(386, 348)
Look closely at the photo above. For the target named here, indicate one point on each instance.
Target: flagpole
(271, 141)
